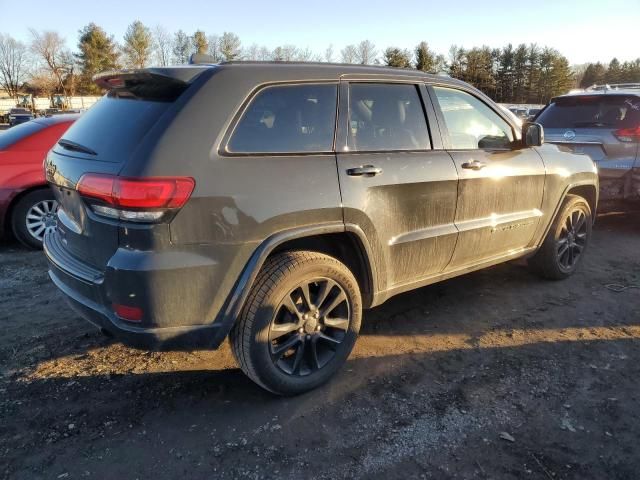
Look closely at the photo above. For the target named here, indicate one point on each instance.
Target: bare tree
(162, 46)
(180, 47)
(252, 52)
(50, 49)
(264, 54)
(230, 46)
(306, 55)
(349, 54)
(214, 47)
(366, 52)
(44, 83)
(13, 64)
(286, 53)
(328, 54)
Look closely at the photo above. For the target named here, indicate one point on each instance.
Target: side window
(386, 117)
(471, 123)
(287, 119)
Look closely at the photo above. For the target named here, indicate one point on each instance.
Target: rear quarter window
(287, 119)
(615, 111)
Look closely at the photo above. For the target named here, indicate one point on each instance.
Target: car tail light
(628, 134)
(135, 199)
(129, 313)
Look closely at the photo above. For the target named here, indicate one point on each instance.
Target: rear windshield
(113, 128)
(599, 111)
(17, 133)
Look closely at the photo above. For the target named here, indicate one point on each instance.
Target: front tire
(33, 216)
(565, 244)
(299, 323)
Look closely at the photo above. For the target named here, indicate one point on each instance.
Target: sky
(584, 31)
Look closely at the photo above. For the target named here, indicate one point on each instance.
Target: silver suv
(604, 123)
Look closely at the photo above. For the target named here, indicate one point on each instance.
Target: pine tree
(614, 72)
(138, 45)
(593, 75)
(200, 44)
(425, 58)
(457, 62)
(533, 73)
(395, 57)
(520, 74)
(505, 74)
(97, 53)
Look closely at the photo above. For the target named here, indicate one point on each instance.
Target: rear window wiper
(76, 147)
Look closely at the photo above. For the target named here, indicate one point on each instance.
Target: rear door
(397, 184)
(595, 125)
(501, 184)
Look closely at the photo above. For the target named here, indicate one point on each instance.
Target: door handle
(474, 165)
(364, 171)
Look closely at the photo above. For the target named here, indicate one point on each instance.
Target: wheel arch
(587, 191)
(349, 245)
(346, 246)
(7, 230)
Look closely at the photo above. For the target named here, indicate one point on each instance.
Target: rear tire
(299, 322)
(565, 244)
(33, 216)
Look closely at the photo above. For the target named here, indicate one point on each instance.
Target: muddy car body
(298, 194)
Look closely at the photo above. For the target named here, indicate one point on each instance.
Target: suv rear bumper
(83, 288)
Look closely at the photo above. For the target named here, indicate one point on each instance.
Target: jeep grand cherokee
(273, 202)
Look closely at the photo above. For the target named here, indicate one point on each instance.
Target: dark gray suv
(272, 202)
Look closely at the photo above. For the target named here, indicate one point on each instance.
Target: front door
(501, 184)
(394, 184)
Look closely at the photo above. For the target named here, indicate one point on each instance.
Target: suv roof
(594, 93)
(336, 70)
(611, 89)
(315, 70)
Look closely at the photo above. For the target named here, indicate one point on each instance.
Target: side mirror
(532, 134)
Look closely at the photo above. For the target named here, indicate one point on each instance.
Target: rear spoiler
(160, 84)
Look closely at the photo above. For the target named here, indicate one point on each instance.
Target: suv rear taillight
(135, 199)
(628, 134)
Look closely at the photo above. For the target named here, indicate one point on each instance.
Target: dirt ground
(493, 375)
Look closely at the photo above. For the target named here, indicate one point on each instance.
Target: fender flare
(565, 192)
(240, 291)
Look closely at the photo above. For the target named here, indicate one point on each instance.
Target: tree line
(511, 74)
(614, 72)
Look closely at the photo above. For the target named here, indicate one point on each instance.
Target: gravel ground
(496, 374)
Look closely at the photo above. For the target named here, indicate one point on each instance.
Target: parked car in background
(532, 113)
(519, 112)
(603, 123)
(19, 115)
(27, 205)
(516, 119)
(272, 202)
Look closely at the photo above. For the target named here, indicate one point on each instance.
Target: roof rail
(614, 86)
